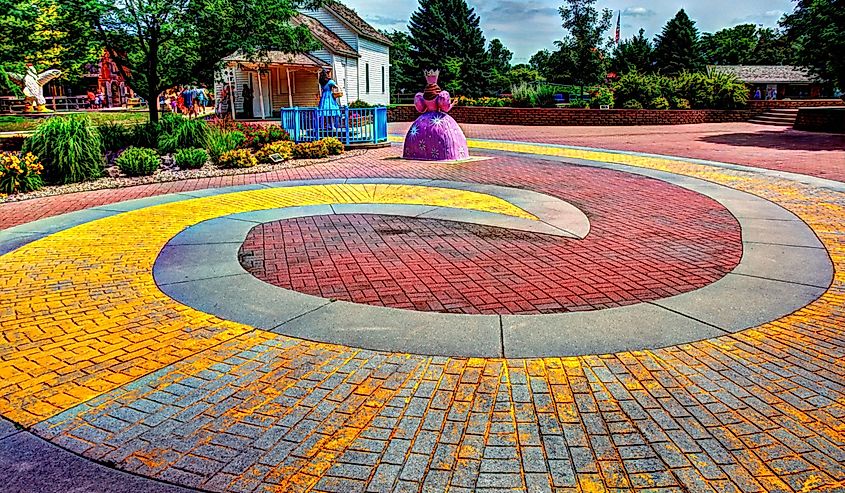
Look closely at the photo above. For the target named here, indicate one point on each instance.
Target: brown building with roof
(776, 81)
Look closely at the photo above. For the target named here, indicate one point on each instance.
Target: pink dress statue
(434, 136)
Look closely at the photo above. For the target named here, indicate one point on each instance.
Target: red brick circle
(648, 240)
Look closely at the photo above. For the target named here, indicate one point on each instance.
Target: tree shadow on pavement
(786, 139)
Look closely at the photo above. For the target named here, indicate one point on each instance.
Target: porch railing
(349, 125)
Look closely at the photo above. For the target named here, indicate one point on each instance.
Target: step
(768, 122)
(784, 111)
(782, 118)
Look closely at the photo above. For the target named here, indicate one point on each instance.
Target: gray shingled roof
(766, 74)
(357, 23)
(330, 41)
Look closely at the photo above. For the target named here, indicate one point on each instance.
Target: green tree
(633, 54)
(444, 30)
(772, 48)
(500, 57)
(817, 30)
(402, 74)
(523, 74)
(158, 44)
(582, 48)
(677, 47)
(45, 33)
(730, 46)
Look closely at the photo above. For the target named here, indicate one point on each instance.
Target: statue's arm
(444, 101)
(419, 102)
(48, 75)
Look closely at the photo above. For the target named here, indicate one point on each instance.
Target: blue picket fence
(349, 125)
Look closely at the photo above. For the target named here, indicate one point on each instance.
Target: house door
(342, 82)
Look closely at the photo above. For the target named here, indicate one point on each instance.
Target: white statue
(32, 84)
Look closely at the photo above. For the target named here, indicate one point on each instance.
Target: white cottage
(357, 53)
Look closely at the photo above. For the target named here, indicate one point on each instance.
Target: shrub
(237, 158)
(334, 146)
(489, 102)
(256, 135)
(310, 150)
(632, 104)
(463, 101)
(284, 148)
(603, 96)
(222, 141)
(579, 103)
(524, 95)
(169, 121)
(695, 88)
(69, 148)
(659, 103)
(727, 91)
(545, 96)
(190, 158)
(138, 161)
(360, 104)
(115, 136)
(634, 85)
(680, 104)
(19, 173)
(186, 134)
(146, 135)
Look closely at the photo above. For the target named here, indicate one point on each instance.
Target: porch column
(260, 93)
(290, 91)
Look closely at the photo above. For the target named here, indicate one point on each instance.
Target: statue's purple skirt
(435, 136)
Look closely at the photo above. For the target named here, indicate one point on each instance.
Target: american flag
(618, 30)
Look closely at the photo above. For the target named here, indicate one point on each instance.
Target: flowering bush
(256, 135)
(284, 148)
(238, 158)
(311, 150)
(19, 172)
(334, 146)
(603, 96)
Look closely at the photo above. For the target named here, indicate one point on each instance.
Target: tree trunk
(152, 108)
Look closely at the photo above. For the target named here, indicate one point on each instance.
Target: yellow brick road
(81, 313)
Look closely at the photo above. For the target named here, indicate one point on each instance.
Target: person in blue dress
(329, 95)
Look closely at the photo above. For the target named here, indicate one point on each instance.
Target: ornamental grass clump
(70, 148)
(283, 150)
(238, 158)
(221, 141)
(19, 172)
(190, 158)
(115, 136)
(138, 161)
(186, 134)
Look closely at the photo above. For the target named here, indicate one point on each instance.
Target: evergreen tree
(500, 57)
(633, 54)
(403, 78)
(444, 30)
(582, 49)
(677, 48)
(817, 30)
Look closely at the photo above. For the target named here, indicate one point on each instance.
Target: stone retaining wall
(821, 120)
(793, 103)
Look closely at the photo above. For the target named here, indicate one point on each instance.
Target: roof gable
(328, 38)
(359, 25)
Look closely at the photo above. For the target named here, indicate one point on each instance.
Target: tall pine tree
(634, 53)
(677, 48)
(448, 30)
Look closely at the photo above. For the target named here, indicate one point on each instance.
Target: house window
(367, 77)
(382, 79)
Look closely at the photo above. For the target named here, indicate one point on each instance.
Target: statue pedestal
(435, 136)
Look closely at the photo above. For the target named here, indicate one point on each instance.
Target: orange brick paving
(761, 410)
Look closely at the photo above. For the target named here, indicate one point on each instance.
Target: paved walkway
(764, 146)
(99, 362)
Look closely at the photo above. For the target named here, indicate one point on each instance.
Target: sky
(531, 25)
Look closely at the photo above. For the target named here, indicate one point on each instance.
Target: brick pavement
(760, 410)
(655, 240)
(764, 146)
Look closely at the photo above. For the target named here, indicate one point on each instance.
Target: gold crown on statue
(431, 76)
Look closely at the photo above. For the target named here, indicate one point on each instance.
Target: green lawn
(14, 123)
